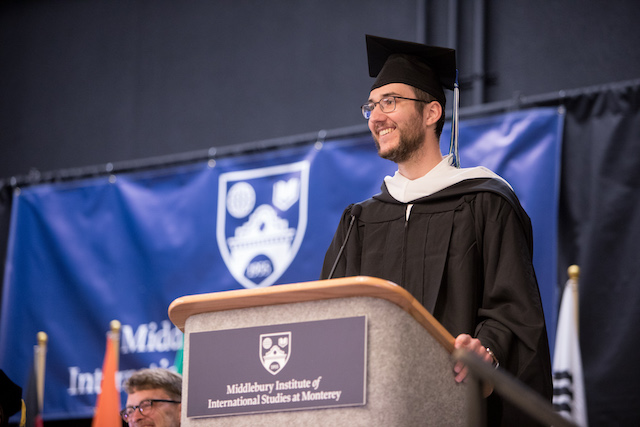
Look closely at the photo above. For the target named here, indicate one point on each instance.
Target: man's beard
(410, 141)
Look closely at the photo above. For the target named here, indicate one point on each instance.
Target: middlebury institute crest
(275, 350)
(262, 218)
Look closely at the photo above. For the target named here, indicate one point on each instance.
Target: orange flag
(108, 403)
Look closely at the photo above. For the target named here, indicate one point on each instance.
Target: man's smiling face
(399, 133)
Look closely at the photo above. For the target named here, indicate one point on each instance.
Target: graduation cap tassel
(453, 146)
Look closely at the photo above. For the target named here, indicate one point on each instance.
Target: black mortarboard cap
(429, 68)
(10, 395)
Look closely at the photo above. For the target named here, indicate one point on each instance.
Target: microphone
(356, 210)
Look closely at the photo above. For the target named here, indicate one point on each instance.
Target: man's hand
(465, 341)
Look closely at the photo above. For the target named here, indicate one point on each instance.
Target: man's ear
(432, 113)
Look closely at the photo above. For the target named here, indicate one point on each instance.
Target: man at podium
(456, 238)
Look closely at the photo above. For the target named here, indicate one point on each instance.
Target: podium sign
(306, 365)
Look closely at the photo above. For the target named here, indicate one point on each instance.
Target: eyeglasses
(387, 105)
(145, 407)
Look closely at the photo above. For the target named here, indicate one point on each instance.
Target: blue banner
(85, 252)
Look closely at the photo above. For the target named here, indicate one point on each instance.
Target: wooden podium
(409, 379)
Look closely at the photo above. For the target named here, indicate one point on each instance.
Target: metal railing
(509, 388)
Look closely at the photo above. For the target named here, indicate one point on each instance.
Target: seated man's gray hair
(147, 379)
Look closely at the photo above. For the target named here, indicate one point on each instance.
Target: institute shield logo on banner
(262, 218)
(275, 350)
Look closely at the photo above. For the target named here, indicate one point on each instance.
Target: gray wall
(91, 82)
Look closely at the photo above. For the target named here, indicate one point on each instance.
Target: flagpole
(574, 275)
(41, 362)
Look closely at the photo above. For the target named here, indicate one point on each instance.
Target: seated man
(154, 396)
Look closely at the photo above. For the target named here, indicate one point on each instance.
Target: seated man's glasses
(145, 407)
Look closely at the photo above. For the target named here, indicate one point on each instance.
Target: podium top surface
(360, 286)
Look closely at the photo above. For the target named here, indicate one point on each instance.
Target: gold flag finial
(42, 338)
(574, 272)
(115, 326)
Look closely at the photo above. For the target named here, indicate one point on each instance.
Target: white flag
(568, 383)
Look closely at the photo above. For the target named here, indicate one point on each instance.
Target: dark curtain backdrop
(599, 229)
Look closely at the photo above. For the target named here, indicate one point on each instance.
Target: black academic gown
(466, 254)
